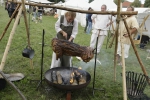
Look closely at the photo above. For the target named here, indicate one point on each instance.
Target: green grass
(15, 63)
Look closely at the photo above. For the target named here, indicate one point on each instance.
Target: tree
(56, 1)
(116, 1)
(147, 3)
(90, 1)
(136, 3)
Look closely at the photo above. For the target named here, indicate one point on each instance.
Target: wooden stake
(10, 39)
(83, 11)
(134, 48)
(26, 23)
(31, 64)
(14, 13)
(27, 28)
(116, 42)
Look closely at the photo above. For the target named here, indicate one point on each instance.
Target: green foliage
(147, 3)
(116, 1)
(56, 1)
(136, 3)
(90, 1)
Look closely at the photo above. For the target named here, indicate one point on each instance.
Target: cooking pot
(28, 52)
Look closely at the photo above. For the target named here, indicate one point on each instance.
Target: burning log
(73, 80)
(72, 77)
(82, 79)
(53, 76)
(64, 47)
(59, 78)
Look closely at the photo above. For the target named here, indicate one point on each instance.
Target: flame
(71, 79)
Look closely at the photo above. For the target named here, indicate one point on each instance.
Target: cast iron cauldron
(65, 72)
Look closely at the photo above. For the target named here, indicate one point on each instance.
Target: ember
(72, 77)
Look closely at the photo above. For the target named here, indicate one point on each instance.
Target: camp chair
(135, 84)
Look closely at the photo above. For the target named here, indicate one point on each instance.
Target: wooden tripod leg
(111, 43)
(25, 20)
(31, 64)
(15, 12)
(10, 40)
(132, 43)
(68, 95)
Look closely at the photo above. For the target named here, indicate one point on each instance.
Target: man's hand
(125, 35)
(71, 38)
(64, 34)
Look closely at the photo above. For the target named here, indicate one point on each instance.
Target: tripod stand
(40, 83)
(95, 68)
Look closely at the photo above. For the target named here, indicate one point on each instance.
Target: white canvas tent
(1, 2)
(77, 4)
(96, 4)
(140, 18)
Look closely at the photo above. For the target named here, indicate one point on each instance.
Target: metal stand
(95, 69)
(40, 83)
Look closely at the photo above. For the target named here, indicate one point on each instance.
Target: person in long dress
(67, 29)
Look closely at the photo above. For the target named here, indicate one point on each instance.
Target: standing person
(86, 20)
(67, 29)
(7, 6)
(11, 8)
(40, 12)
(89, 27)
(123, 35)
(100, 27)
(2, 2)
(34, 14)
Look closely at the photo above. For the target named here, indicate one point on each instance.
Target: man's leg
(100, 42)
(93, 40)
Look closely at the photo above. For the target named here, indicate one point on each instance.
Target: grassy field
(16, 63)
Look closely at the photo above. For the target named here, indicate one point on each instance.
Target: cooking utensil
(28, 52)
(14, 77)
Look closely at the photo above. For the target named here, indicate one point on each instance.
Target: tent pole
(82, 11)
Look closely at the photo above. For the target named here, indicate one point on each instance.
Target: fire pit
(79, 77)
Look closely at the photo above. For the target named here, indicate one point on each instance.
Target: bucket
(2, 83)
